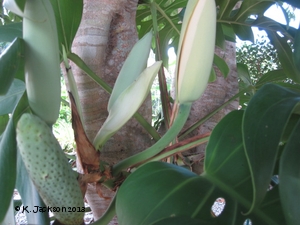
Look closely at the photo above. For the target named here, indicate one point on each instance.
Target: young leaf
(285, 56)
(133, 66)
(126, 104)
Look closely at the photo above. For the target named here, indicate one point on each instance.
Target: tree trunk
(105, 37)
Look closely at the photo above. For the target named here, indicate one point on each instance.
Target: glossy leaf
(8, 157)
(243, 74)
(179, 220)
(12, 97)
(172, 191)
(29, 195)
(263, 125)
(10, 61)
(3, 123)
(289, 177)
(21, 4)
(250, 7)
(296, 53)
(68, 16)
(8, 154)
(228, 32)
(226, 7)
(212, 76)
(243, 32)
(285, 56)
(222, 65)
(237, 21)
(272, 76)
(10, 215)
(24, 185)
(9, 32)
(220, 37)
(160, 185)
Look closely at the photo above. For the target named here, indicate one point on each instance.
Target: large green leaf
(12, 97)
(171, 191)
(225, 7)
(179, 220)
(3, 123)
(10, 60)
(285, 56)
(272, 76)
(8, 157)
(168, 21)
(68, 16)
(244, 32)
(10, 31)
(220, 37)
(264, 122)
(296, 53)
(8, 153)
(29, 195)
(290, 177)
(244, 74)
(239, 21)
(24, 185)
(252, 7)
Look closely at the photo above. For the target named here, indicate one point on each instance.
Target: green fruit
(49, 169)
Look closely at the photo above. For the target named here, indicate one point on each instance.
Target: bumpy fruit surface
(49, 170)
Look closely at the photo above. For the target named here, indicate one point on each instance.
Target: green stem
(72, 83)
(201, 121)
(161, 75)
(183, 113)
(163, 13)
(180, 149)
(81, 64)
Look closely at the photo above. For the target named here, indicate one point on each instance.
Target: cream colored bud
(196, 50)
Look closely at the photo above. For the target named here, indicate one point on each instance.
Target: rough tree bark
(105, 37)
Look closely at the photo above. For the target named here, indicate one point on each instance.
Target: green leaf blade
(10, 31)
(10, 61)
(68, 15)
(12, 97)
(262, 135)
(289, 174)
(8, 154)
